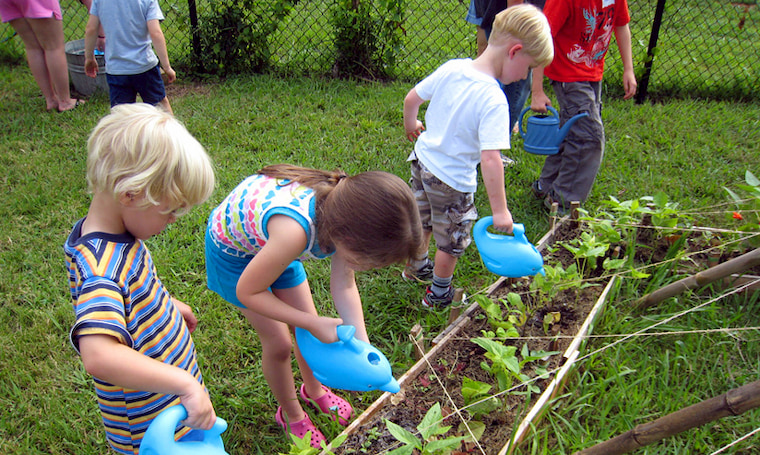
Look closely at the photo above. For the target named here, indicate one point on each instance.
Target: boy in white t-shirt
(467, 123)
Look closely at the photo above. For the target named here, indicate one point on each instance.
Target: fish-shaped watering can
(543, 135)
(511, 256)
(348, 364)
(159, 438)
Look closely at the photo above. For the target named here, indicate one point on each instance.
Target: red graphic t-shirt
(582, 30)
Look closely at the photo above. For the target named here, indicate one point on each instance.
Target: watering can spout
(392, 386)
(566, 127)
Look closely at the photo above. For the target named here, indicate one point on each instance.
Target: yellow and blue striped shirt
(115, 291)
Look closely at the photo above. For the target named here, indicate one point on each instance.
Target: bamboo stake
(732, 403)
(419, 338)
(702, 278)
(456, 305)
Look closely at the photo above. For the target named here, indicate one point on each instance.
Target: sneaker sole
(414, 279)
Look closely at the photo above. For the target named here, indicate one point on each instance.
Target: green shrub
(368, 37)
(234, 35)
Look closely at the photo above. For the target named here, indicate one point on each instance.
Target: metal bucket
(84, 84)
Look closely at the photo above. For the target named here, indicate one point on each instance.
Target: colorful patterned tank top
(238, 224)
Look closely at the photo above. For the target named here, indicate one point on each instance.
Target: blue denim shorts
(472, 15)
(223, 271)
(123, 89)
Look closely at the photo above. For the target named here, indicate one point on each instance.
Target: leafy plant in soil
(429, 442)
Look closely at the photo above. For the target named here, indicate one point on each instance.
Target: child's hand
(91, 66)
(539, 101)
(187, 314)
(171, 76)
(326, 330)
(629, 84)
(200, 411)
(415, 133)
(503, 222)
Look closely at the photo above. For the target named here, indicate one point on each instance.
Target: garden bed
(571, 309)
(438, 376)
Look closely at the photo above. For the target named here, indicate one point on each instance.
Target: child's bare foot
(72, 104)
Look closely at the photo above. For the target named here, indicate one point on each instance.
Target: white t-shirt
(468, 113)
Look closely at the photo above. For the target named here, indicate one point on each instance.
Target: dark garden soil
(460, 358)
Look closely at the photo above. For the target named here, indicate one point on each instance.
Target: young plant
(477, 397)
(302, 446)
(665, 214)
(505, 366)
(430, 430)
(516, 315)
(557, 279)
(586, 249)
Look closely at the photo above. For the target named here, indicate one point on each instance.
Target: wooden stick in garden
(456, 305)
(732, 403)
(419, 341)
(702, 278)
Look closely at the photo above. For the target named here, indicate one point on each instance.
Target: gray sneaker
(422, 275)
(537, 191)
(507, 161)
(438, 302)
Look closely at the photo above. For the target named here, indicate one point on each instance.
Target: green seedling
(587, 248)
(551, 318)
(477, 397)
(430, 430)
(516, 314)
(557, 279)
(302, 446)
(505, 366)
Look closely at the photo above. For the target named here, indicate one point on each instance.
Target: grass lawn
(689, 150)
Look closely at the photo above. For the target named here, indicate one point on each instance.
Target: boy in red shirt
(582, 30)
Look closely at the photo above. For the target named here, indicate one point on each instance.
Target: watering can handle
(172, 416)
(523, 132)
(346, 335)
(481, 228)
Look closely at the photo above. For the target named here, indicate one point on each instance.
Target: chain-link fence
(703, 48)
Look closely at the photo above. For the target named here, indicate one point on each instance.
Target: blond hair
(141, 149)
(527, 24)
(373, 213)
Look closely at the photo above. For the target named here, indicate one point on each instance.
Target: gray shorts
(446, 212)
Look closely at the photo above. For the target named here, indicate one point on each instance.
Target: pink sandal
(300, 428)
(331, 404)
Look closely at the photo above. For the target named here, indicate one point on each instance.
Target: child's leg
(452, 214)
(445, 264)
(276, 347)
(300, 297)
(164, 103)
(582, 150)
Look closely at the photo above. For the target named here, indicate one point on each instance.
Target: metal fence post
(194, 30)
(642, 94)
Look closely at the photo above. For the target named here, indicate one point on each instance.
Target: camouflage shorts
(443, 210)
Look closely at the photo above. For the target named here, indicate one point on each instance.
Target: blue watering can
(159, 438)
(348, 364)
(543, 134)
(511, 256)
